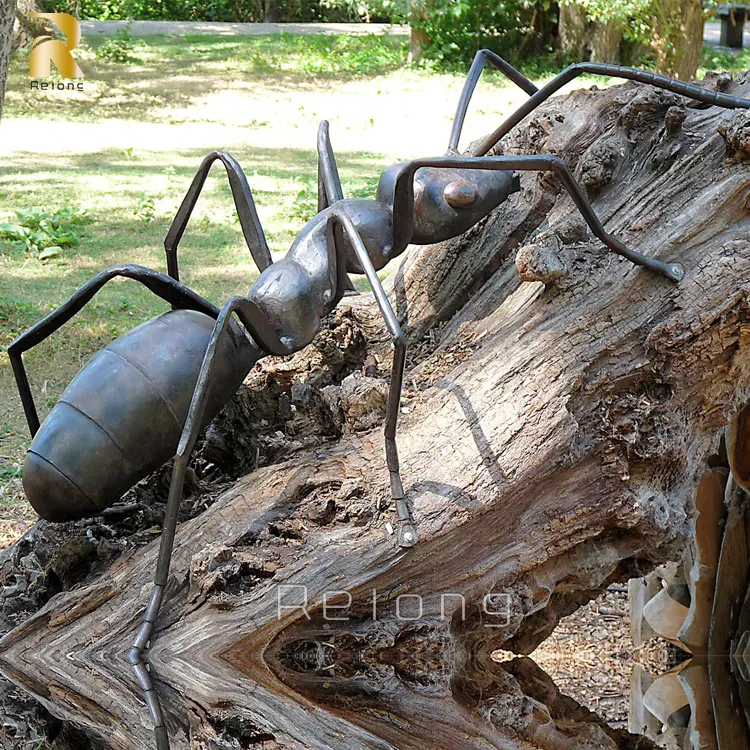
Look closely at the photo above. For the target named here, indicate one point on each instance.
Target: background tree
(677, 40)
(451, 31)
(270, 11)
(25, 28)
(584, 35)
(419, 14)
(7, 20)
(671, 29)
(572, 30)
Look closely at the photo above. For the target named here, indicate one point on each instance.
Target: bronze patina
(146, 396)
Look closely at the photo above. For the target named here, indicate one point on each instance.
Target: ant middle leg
(481, 59)
(330, 190)
(329, 182)
(252, 318)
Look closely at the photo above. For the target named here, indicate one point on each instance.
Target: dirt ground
(16, 516)
(591, 656)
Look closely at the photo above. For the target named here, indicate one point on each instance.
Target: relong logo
(47, 49)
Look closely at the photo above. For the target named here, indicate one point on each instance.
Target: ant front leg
(617, 71)
(407, 534)
(253, 320)
(243, 201)
(403, 200)
(481, 59)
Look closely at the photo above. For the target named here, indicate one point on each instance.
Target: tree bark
(25, 29)
(555, 425)
(270, 11)
(7, 20)
(584, 39)
(573, 31)
(678, 37)
(605, 41)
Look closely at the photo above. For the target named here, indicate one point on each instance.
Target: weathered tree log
(552, 439)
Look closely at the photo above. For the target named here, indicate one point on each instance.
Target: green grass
(714, 59)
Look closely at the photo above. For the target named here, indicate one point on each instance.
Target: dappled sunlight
(126, 149)
(113, 184)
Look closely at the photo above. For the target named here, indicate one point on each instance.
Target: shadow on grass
(279, 163)
(171, 72)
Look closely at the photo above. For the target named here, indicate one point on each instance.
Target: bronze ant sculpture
(151, 391)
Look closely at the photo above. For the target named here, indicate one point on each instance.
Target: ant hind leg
(166, 287)
(251, 318)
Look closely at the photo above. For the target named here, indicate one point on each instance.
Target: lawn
(123, 152)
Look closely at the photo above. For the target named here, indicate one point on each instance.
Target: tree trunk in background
(551, 440)
(270, 11)
(25, 29)
(583, 39)
(605, 42)
(573, 31)
(418, 40)
(678, 37)
(7, 21)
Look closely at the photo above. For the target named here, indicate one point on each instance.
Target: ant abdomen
(122, 415)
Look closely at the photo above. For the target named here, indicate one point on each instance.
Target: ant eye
(460, 194)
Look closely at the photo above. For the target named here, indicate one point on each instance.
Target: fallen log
(562, 408)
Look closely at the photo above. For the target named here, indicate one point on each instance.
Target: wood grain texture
(554, 439)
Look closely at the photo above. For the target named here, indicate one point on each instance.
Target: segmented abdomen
(123, 414)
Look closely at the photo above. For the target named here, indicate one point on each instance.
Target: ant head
(449, 201)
